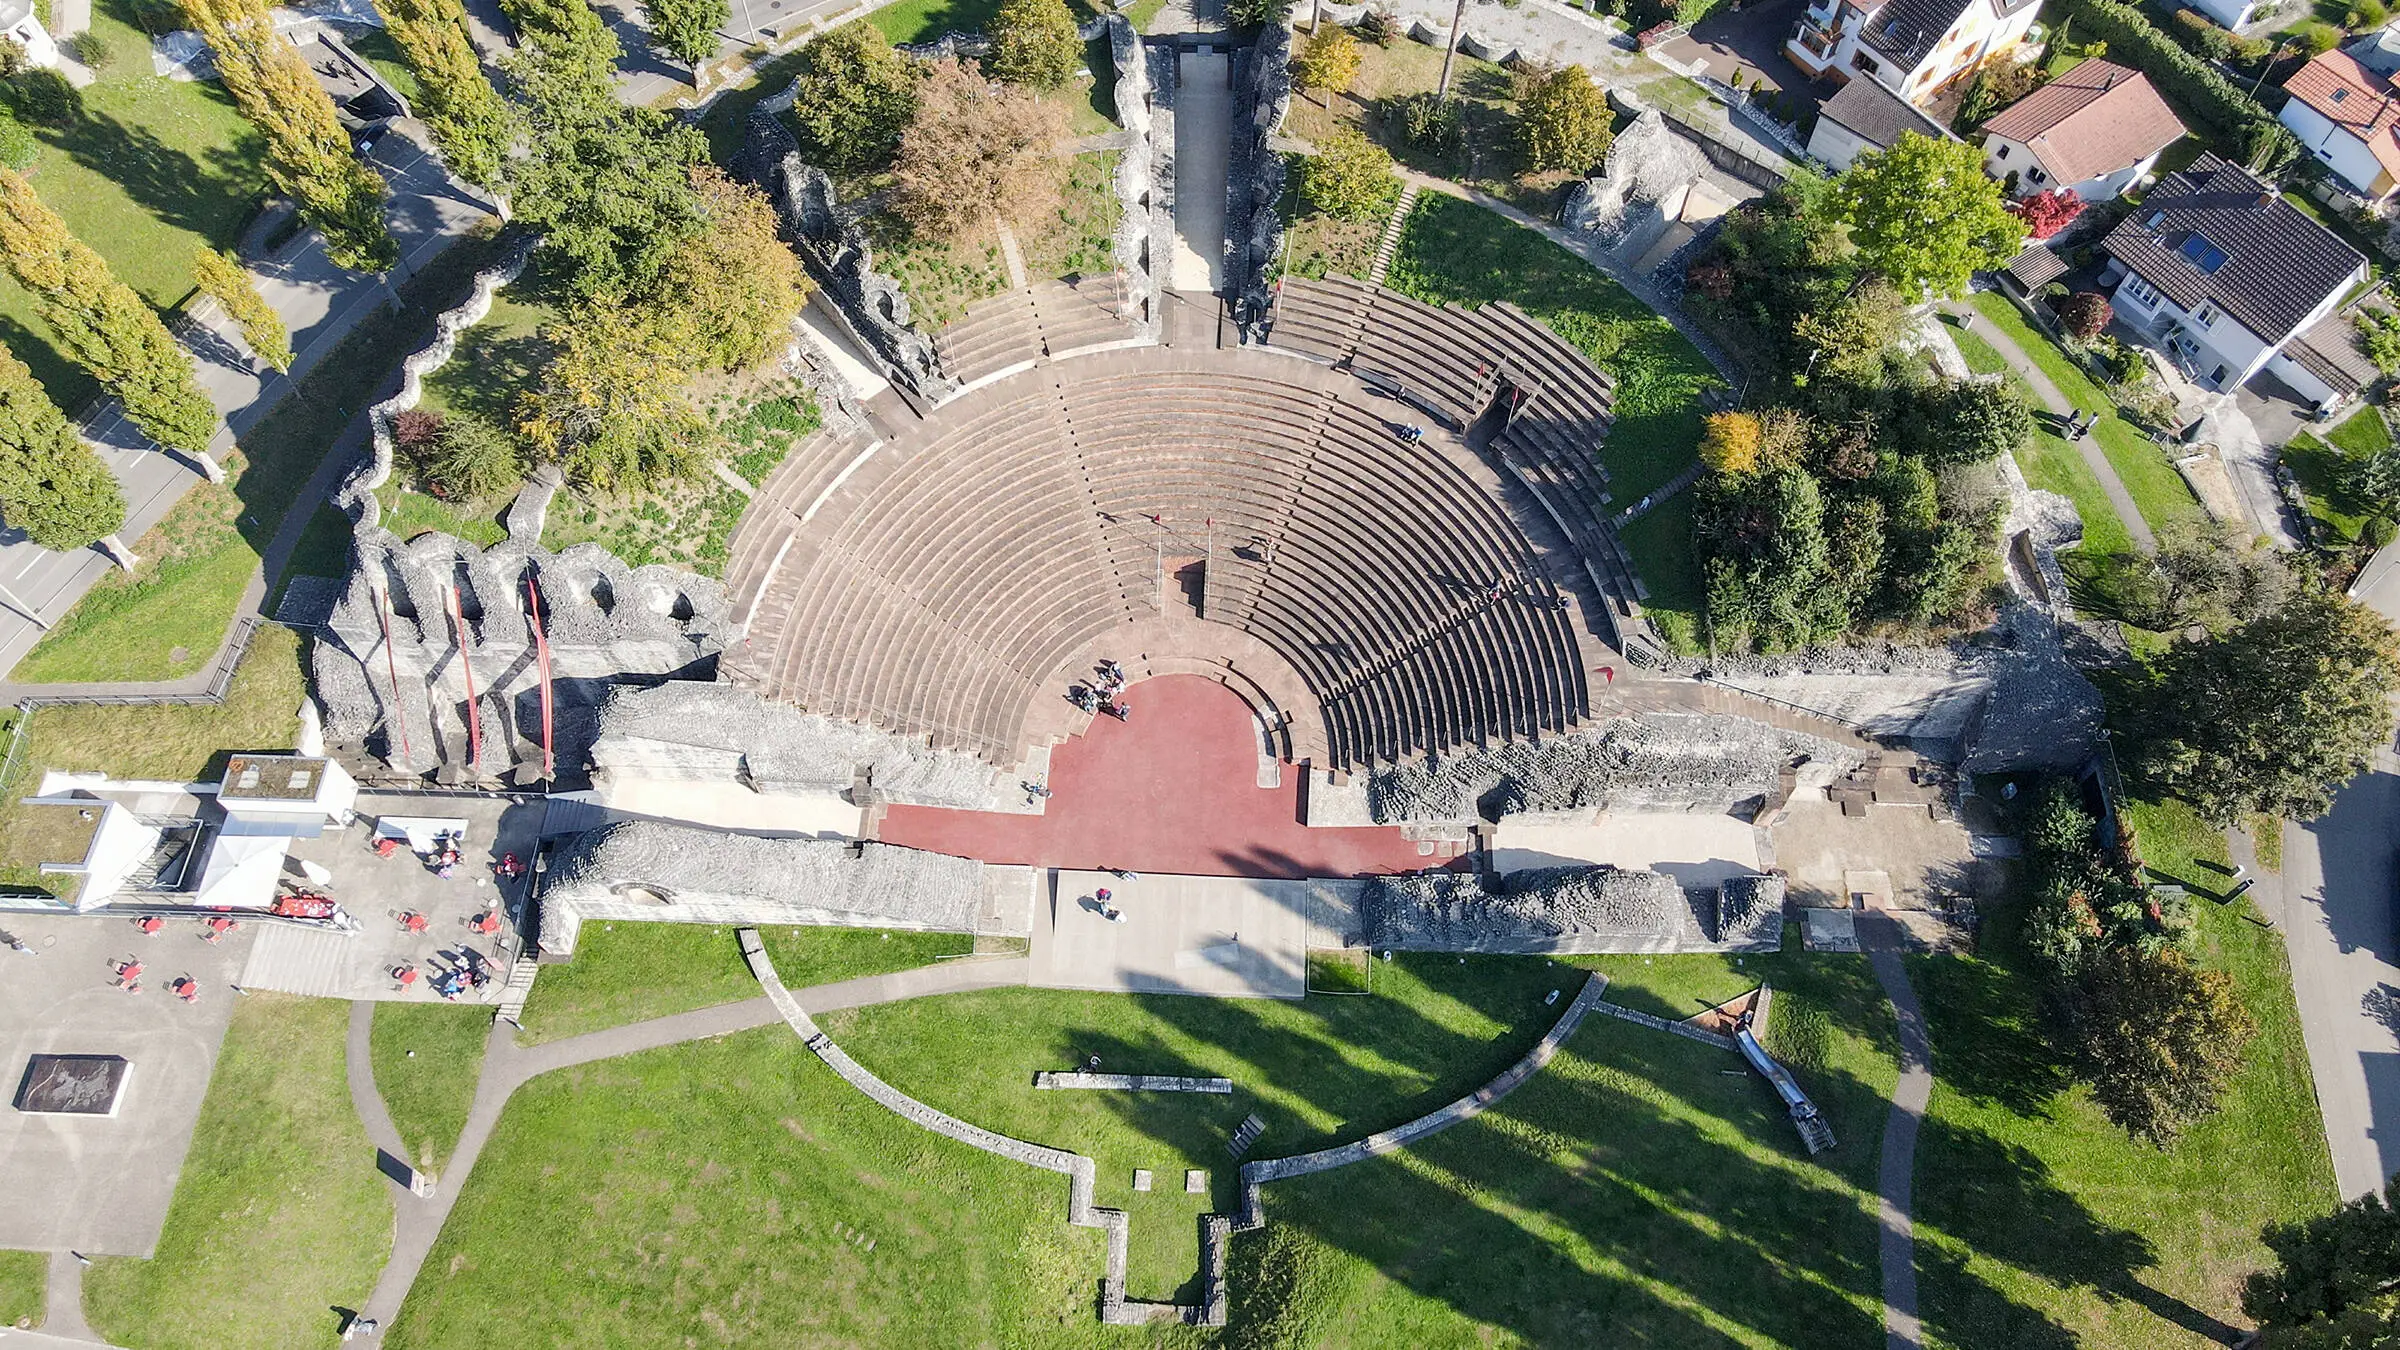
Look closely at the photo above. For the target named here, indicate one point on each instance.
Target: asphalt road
(2344, 938)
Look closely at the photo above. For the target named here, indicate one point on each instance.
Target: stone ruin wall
(604, 620)
(1559, 911)
(1136, 169)
(645, 871)
(1254, 228)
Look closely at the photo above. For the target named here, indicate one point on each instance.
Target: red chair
(487, 922)
(149, 924)
(412, 921)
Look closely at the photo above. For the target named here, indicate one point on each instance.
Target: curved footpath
(508, 1066)
(1896, 1177)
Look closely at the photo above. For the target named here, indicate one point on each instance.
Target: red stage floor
(1173, 790)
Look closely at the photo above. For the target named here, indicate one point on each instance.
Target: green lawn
(2040, 1224)
(167, 618)
(2158, 490)
(1642, 1190)
(2320, 466)
(1456, 251)
(24, 1276)
(152, 169)
(278, 1217)
(426, 1057)
(638, 971)
(924, 20)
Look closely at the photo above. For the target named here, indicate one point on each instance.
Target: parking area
(1748, 42)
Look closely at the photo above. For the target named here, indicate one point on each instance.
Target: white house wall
(1836, 144)
(2336, 148)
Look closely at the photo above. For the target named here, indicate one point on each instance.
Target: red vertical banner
(458, 620)
(399, 716)
(541, 653)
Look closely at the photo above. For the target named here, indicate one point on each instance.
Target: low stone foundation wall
(1129, 1082)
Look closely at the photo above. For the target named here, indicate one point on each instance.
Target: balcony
(1812, 47)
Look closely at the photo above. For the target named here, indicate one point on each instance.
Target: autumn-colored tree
(223, 278)
(852, 97)
(309, 158)
(1349, 178)
(51, 484)
(1328, 62)
(1729, 444)
(471, 124)
(2085, 313)
(610, 408)
(102, 325)
(1034, 43)
(733, 288)
(2046, 213)
(976, 150)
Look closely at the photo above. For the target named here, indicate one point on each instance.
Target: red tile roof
(2096, 119)
(2354, 98)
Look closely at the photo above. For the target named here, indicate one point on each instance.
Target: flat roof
(273, 778)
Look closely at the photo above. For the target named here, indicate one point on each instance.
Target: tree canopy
(224, 280)
(1034, 44)
(2335, 1284)
(687, 29)
(1924, 214)
(1328, 62)
(1563, 120)
(470, 122)
(735, 287)
(309, 157)
(51, 484)
(976, 150)
(2157, 1037)
(2270, 715)
(853, 97)
(1350, 177)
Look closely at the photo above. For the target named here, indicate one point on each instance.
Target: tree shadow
(195, 193)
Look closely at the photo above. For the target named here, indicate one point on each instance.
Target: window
(1866, 64)
(2141, 292)
(2199, 252)
(2037, 175)
(2001, 153)
(2340, 94)
(2206, 315)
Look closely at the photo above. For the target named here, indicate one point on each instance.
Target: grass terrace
(277, 1219)
(2040, 1224)
(1603, 1195)
(1453, 250)
(2322, 465)
(24, 1280)
(942, 278)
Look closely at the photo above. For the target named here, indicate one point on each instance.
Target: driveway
(1748, 42)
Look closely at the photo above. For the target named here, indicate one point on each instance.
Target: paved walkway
(2058, 405)
(508, 1066)
(62, 1300)
(1896, 1178)
(319, 303)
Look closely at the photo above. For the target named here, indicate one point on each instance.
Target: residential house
(2346, 114)
(2224, 273)
(2227, 13)
(1862, 116)
(2098, 130)
(1911, 47)
(20, 24)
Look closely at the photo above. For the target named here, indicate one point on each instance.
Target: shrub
(1379, 26)
(1328, 63)
(2046, 213)
(2316, 36)
(2379, 333)
(1257, 13)
(1034, 44)
(2202, 37)
(414, 433)
(2084, 314)
(2367, 14)
(12, 57)
(1426, 122)
(1730, 443)
(1350, 177)
(93, 49)
(471, 458)
(44, 98)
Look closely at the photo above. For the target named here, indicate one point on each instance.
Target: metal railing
(220, 678)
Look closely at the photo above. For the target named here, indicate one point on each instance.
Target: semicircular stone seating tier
(948, 583)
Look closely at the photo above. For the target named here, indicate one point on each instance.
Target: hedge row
(2236, 125)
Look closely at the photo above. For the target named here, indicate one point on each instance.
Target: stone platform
(1226, 937)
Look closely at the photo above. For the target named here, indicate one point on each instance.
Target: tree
(2269, 716)
(1923, 214)
(735, 287)
(2157, 1037)
(1328, 62)
(610, 407)
(1977, 421)
(2046, 213)
(1257, 13)
(2085, 313)
(1847, 338)
(2379, 333)
(470, 123)
(1771, 560)
(2374, 478)
(2336, 1281)
(1729, 444)
(608, 186)
(309, 158)
(51, 484)
(1034, 43)
(976, 150)
(103, 326)
(1563, 120)
(2203, 574)
(1350, 177)
(469, 457)
(687, 29)
(223, 278)
(853, 97)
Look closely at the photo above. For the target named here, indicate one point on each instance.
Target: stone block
(1195, 1182)
(1141, 1179)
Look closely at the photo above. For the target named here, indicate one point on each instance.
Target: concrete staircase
(1391, 234)
(519, 985)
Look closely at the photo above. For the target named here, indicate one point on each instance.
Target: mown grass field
(24, 1277)
(278, 1216)
(426, 1058)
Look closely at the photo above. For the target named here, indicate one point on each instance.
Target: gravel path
(1896, 1180)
